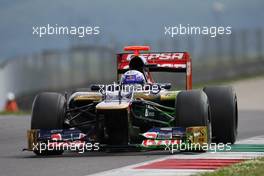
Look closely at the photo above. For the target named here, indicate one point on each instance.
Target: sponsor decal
(197, 134)
(155, 142)
(56, 137)
(158, 56)
(150, 135)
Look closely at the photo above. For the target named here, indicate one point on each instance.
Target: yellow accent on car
(90, 96)
(197, 134)
(112, 105)
(32, 136)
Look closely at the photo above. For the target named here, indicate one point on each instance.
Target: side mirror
(166, 86)
(96, 87)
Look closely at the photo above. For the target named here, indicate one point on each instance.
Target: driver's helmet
(133, 77)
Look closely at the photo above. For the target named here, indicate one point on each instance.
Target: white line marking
(130, 171)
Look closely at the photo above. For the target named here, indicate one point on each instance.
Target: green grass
(253, 167)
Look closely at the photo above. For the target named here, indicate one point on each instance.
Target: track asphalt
(13, 139)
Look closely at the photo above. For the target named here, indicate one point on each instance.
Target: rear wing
(160, 62)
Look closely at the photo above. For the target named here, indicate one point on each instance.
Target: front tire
(48, 113)
(192, 110)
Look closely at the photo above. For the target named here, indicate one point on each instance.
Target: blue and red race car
(136, 112)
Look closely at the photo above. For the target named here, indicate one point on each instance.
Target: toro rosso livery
(136, 112)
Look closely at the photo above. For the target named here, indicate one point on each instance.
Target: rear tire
(48, 112)
(223, 104)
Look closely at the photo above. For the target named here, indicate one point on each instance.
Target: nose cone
(113, 105)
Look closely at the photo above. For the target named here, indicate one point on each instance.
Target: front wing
(169, 138)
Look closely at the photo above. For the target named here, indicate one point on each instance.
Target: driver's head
(133, 77)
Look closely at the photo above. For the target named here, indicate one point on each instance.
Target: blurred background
(30, 64)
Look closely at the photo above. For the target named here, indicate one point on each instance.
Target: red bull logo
(150, 135)
(153, 142)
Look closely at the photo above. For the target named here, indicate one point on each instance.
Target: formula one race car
(135, 112)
